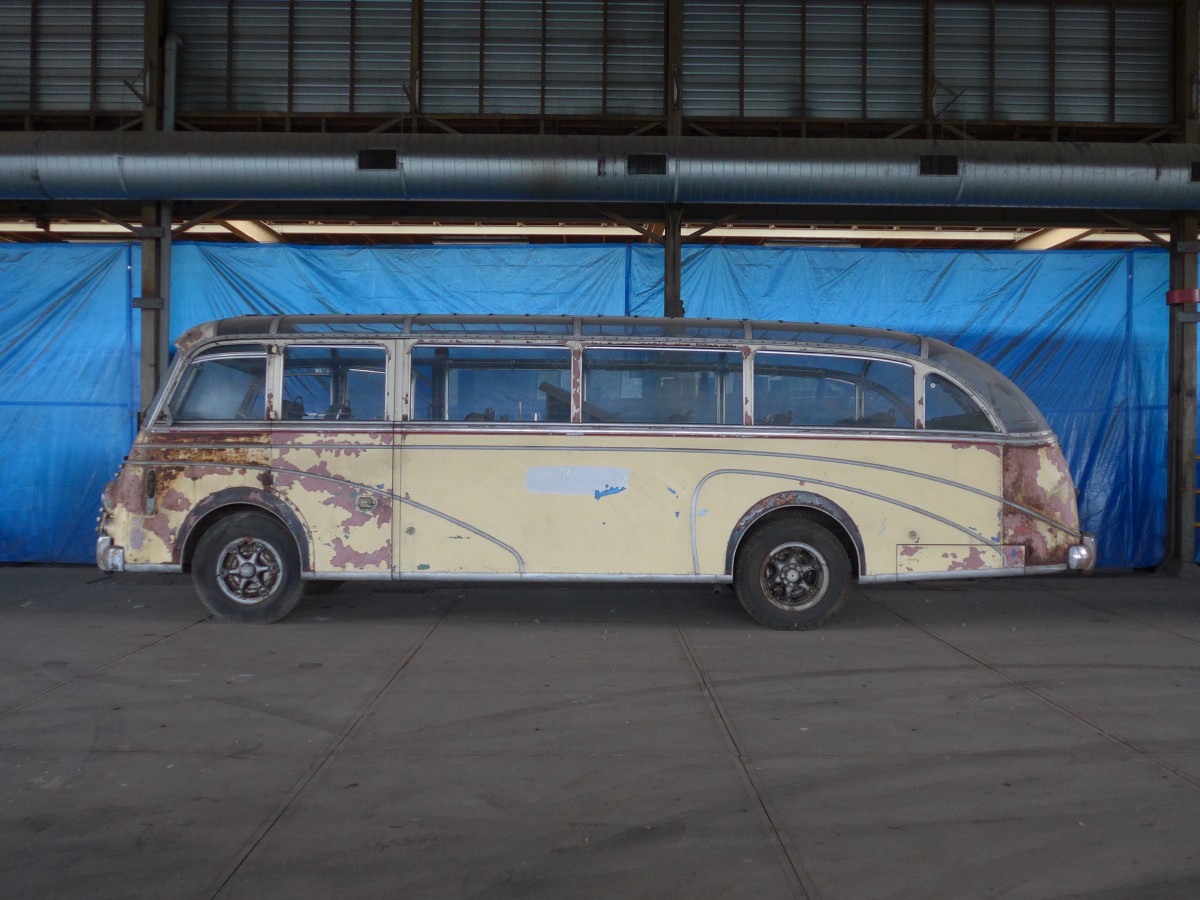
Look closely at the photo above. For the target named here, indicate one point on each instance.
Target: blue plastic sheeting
(211, 281)
(1083, 332)
(67, 394)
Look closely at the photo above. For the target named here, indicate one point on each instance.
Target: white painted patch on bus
(588, 481)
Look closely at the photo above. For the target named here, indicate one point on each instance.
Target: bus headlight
(1082, 556)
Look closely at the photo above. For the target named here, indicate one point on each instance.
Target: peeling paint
(595, 481)
(1037, 478)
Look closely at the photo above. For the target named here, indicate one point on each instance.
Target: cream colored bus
(788, 459)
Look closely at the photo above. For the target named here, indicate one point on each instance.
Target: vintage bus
(790, 460)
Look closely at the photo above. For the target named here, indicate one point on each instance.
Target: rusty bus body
(787, 459)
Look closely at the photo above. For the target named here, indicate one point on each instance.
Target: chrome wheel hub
(794, 576)
(248, 570)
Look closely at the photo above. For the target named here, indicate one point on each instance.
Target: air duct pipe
(206, 166)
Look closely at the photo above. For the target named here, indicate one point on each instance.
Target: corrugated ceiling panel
(1082, 63)
(62, 72)
(512, 57)
(895, 59)
(635, 58)
(383, 32)
(260, 56)
(450, 62)
(711, 73)
(119, 54)
(15, 41)
(963, 60)
(774, 59)
(834, 70)
(203, 54)
(1023, 82)
(574, 57)
(321, 56)
(1143, 64)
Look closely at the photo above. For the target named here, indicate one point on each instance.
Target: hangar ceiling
(1033, 71)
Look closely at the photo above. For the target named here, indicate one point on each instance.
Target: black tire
(247, 569)
(791, 574)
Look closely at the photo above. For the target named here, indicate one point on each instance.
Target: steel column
(672, 260)
(1181, 356)
(154, 301)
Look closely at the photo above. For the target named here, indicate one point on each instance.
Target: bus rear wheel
(247, 569)
(792, 574)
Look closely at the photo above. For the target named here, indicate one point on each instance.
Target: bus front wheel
(792, 574)
(247, 569)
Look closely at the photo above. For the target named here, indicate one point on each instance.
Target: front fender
(243, 497)
(795, 500)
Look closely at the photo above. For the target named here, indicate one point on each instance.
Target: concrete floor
(1018, 738)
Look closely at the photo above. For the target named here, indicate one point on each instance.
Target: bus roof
(703, 330)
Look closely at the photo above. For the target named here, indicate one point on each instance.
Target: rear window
(1016, 411)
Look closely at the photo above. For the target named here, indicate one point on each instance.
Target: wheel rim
(248, 570)
(794, 576)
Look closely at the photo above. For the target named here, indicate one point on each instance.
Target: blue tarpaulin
(1084, 333)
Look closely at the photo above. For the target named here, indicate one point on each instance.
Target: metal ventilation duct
(149, 166)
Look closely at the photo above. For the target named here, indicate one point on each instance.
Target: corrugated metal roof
(996, 60)
(1023, 48)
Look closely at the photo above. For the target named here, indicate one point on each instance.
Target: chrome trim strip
(470, 528)
(155, 568)
(565, 577)
(890, 578)
(335, 575)
(805, 480)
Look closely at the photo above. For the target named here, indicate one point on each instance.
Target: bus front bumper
(109, 557)
(1082, 556)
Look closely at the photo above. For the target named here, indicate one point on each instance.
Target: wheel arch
(217, 506)
(819, 509)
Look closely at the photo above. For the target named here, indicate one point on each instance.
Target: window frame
(436, 341)
(278, 354)
(914, 399)
(657, 346)
(162, 415)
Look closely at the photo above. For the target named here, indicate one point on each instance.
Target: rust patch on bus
(993, 449)
(1037, 478)
(345, 557)
(971, 562)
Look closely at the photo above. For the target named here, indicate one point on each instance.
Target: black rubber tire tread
(259, 526)
(764, 538)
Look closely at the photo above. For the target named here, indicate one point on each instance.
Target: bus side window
(949, 408)
(832, 391)
(665, 387)
(491, 384)
(223, 383)
(347, 381)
